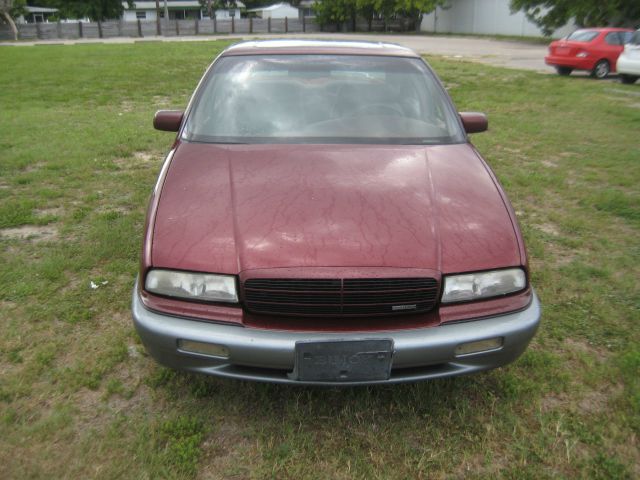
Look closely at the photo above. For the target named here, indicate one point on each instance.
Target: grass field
(79, 398)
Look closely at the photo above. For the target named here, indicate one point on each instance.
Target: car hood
(233, 208)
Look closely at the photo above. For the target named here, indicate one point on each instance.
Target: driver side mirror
(168, 120)
(474, 122)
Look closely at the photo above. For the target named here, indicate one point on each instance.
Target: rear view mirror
(168, 120)
(474, 122)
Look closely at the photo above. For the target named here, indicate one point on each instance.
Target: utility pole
(166, 14)
(158, 31)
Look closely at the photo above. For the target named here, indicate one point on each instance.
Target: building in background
(36, 15)
(487, 17)
(279, 10)
(305, 8)
(178, 10)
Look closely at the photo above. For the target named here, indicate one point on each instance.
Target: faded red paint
(233, 208)
(318, 211)
(239, 209)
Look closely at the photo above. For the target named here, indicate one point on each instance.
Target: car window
(634, 38)
(613, 38)
(625, 36)
(322, 99)
(583, 35)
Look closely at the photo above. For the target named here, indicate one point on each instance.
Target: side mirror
(474, 122)
(168, 120)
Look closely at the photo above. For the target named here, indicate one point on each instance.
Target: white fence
(52, 31)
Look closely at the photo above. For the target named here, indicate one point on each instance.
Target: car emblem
(395, 308)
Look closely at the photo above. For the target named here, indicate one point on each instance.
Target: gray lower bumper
(268, 355)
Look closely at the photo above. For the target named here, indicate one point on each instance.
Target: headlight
(194, 286)
(475, 286)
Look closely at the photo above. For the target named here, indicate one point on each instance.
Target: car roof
(605, 29)
(318, 47)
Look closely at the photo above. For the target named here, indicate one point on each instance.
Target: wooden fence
(172, 28)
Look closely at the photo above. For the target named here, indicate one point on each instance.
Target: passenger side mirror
(168, 120)
(474, 122)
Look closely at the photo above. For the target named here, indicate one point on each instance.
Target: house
(305, 8)
(488, 17)
(178, 10)
(36, 14)
(278, 10)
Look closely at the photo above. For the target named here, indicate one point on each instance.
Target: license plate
(343, 360)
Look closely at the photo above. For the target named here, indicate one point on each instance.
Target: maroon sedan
(593, 49)
(323, 219)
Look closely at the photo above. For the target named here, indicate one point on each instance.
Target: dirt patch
(121, 211)
(619, 91)
(583, 346)
(549, 229)
(476, 464)
(139, 160)
(33, 233)
(161, 101)
(50, 212)
(563, 257)
(549, 164)
(598, 401)
(126, 106)
(34, 167)
(227, 453)
(553, 401)
(593, 401)
(145, 156)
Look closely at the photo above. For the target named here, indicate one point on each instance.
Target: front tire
(564, 71)
(601, 70)
(628, 79)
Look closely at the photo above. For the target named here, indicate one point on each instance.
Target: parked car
(593, 49)
(628, 65)
(322, 218)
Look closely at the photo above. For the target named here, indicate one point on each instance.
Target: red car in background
(593, 49)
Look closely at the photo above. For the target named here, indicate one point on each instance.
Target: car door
(612, 47)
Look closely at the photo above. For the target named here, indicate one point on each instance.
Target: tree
(367, 8)
(415, 9)
(335, 11)
(213, 5)
(10, 9)
(339, 11)
(550, 15)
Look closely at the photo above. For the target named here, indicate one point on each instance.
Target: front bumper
(268, 355)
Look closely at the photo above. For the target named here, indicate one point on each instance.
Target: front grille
(340, 297)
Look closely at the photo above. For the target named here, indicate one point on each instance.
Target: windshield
(583, 35)
(322, 99)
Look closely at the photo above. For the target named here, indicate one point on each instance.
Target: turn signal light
(203, 348)
(479, 346)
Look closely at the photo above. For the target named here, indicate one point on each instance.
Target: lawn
(80, 398)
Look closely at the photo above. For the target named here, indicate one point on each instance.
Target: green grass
(80, 398)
